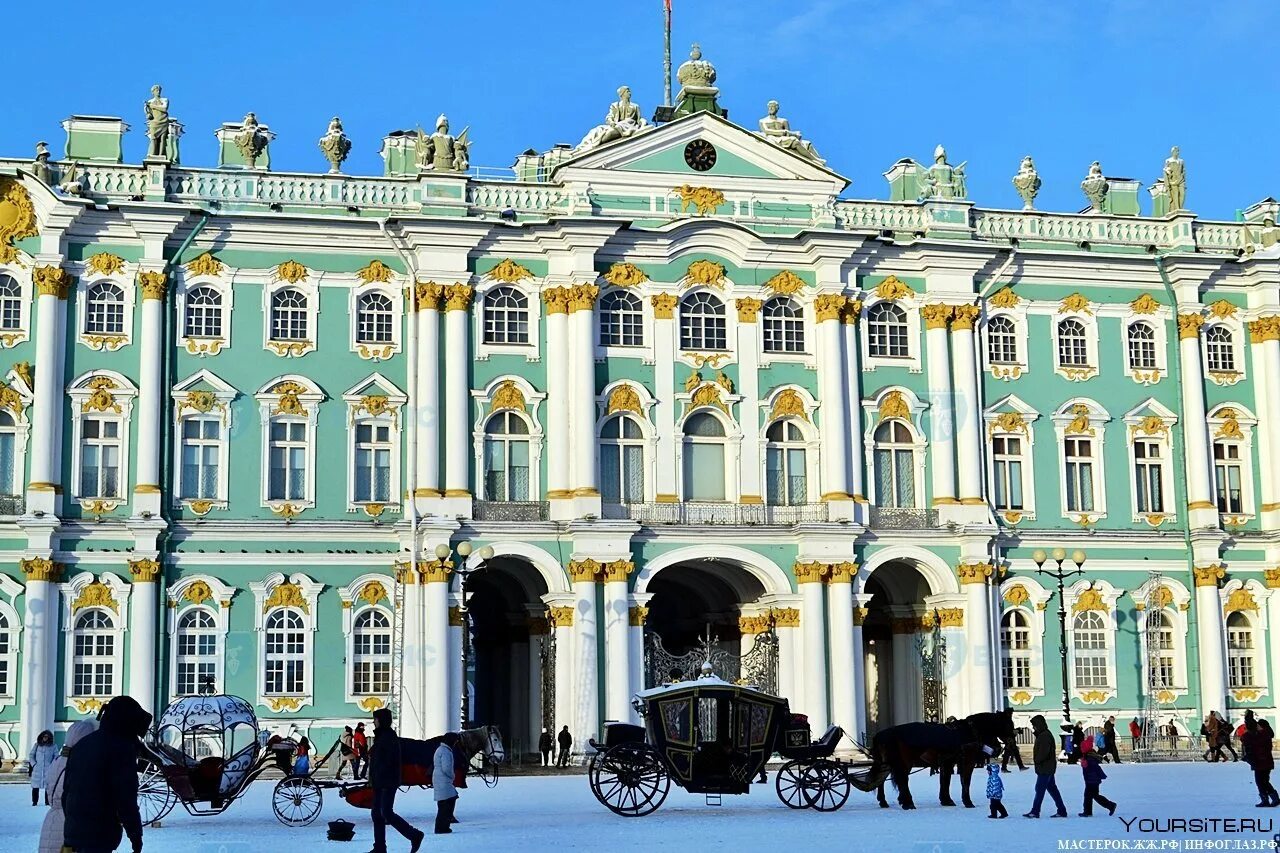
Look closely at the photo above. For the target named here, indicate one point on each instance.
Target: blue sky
(869, 81)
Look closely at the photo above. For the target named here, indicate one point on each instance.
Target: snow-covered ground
(560, 814)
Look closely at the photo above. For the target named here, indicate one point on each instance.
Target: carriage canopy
(211, 739)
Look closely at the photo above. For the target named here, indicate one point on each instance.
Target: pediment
(742, 158)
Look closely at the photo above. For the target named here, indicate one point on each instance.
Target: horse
(939, 745)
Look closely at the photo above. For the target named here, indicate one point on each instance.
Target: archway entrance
(694, 617)
(510, 655)
(897, 684)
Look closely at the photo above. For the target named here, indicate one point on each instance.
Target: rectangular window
(100, 451)
(1079, 474)
(201, 458)
(1148, 476)
(373, 463)
(704, 470)
(8, 463)
(623, 473)
(1006, 455)
(287, 475)
(1228, 474)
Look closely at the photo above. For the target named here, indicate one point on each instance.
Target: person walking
(1209, 730)
(1077, 738)
(1091, 767)
(566, 743)
(1012, 750)
(1224, 740)
(546, 745)
(1044, 755)
(302, 758)
(384, 777)
(359, 743)
(51, 831)
(41, 758)
(346, 752)
(1135, 732)
(442, 784)
(1256, 746)
(995, 785)
(1109, 733)
(100, 784)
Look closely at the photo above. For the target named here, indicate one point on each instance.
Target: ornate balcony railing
(12, 505)
(714, 512)
(509, 510)
(895, 518)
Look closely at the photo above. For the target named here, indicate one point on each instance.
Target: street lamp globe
(1059, 554)
(464, 549)
(486, 553)
(442, 552)
(1038, 556)
(1078, 557)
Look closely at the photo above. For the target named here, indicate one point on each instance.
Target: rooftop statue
(251, 140)
(1027, 183)
(40, 168)
(335, 145)
(1175, 181)
(942, 180)
(623, 120)
(696, 73)
(72, 183)
(158, 126)
(441, 152)
(1264, 237)
(777, 130)
(1095, 187)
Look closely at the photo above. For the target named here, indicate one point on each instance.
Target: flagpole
(666, 56)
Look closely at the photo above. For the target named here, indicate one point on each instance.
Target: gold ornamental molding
(373, 592)
(1011, 516)
(703, 199)
(1189, 325)
(375, 405)
(96, 594)
(664, 305)
(457, 297)
(286, 594)
(1210, 575)
(893, 288)
(1272, 577)
(508, 396)
(974, 572)
(199, 506)
(104, 263)
(843, 572)
(197, 593)
(785, 283)
(624, 398)
(1093, 697)
(582, 297)
(1079, 424)
(617, 571)
(206, 265)
(87, 706)
(964, 317)
(785, 617)
(1150, 425)
(1222, 309)
(144, 570)
(748, 309)
(286, 349)
(52, 281)
(1005, 298)
(426, 296)
(625, 274)
(41, 569)
(1246, 694)
(280, 704)
(153, 285)
(851, 311)
(287, 511)
(1008, 422)
(788, 404)
(509, 272)
(705, 273)
(17, 218)
(290, 271)
(1230, 427)
(1090, 599)
(1144, 304)
(1076, 303)
(813, 572)
(636, 616)
(375, 271)
(951, 617)
(894, 405)
(708, 394)
(860, 615)
(827, 306)
(584, 571)
(101, 400)
(369, 704)
(562, 617)
(556, 299)
(1016, 595)
(435, 571)
(936, 315)
(1240, 599)
(1020, 697)
(752, 625)
(1264, 329)
(288, 402)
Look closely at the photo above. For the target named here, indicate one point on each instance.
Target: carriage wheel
(155, 798)
(825, 785)
(630, 779)
(790, 785)
(485, 769)
(297, 801)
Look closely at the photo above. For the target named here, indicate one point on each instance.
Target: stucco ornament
(509, 272)
(621, 121)
(1145, 304)
(158, 125)
(335, 145)
(706, 273)
(96, 594)
(441, 151)
(1095, 187)
(625, 275)
(942, 180)
(251, 141)
(777, 130)
(1175, 181)
(893, 288)
(17, 218)
(1005, 298)
(1027, 182)
(507, 396)
(624, 398)
(286, 594)
(788, 404)
(704, 200)
(206, 264)
(785, 283)
(290, 271)
(894, 405)
(375, 271)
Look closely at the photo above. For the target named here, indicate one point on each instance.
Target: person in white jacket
(42, 756)
(442, 787)
(55, 818)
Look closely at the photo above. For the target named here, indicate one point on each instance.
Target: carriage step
(713, 800)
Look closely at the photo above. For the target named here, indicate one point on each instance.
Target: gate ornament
(758, 666)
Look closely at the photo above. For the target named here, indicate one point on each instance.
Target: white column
(51, 286)
(637, 613)
(412, 720)
(1201, 507)
(537, 635)
(617, 641)
(980, 658)
(750, 464)
(150, 393)
(39, 650)
(582, 314)
(456, 676)
(859, 732)
(435, 658)
(853, 398)
(1213, 653)
(906, 673)
(844, 664)
(560, 615)
(586, 676)
(1273, 622)
(559, 481)
(1266, 333)
(428, 398)
(942, 457)
(144, 628)
(813, 624)
(832, 385)
(457, 407)
(664, 388)
(967, 411)
(790, 659)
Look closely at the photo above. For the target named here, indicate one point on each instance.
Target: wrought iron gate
(757, 667)
(932, 648)
(547, 675)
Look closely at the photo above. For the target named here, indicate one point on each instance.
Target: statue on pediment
(442, 152)
(1175, 181)
(623, 120)
(777, 130)
(1263, 237)
(696, 73)
(158, 125)
(942, 180)
(40, 168)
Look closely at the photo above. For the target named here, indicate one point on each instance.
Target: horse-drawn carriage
(712, 737)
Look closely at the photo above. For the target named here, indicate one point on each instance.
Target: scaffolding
(1158, 654)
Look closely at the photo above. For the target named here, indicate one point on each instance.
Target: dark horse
(898, 749)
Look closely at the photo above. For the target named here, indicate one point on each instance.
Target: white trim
(310, 593)
(1090, 324)
(11, 589)
(731, 441)
(310, 289)
(375, 352)
(21, 429)
(1133, 420)
(103, 341)
(224, 394)
(808, 328)
(22, 275)
(352, 606)
(1110, 597)
(644, 352)
(1158, 322)
(219, 606)
(775, 581)
(531, 289)
(809, 432)
(871, 419)
(120, 591)
(310, 400)
(913, 361)
(203, 346)
(648, 435)
(1247, 421)
(375, 385)
(686, 355)
(533, 400)
(1098, 418)
(1034, 609)
(1258, 623)
(1236, 327)
(123, 394)
(1021, 366)
(1029, 416)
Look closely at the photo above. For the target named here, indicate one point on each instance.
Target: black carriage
(712, 737)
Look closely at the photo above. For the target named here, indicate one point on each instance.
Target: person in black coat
(100, 791)
(1256, 745)
(546, 745)
(566, 743)
(1109, 732)
(384, 777)
(1077, 738)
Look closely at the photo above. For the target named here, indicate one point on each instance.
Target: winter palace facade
(697, 402)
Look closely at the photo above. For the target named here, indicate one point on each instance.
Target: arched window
(887, 331)
(104, 309)
(289, 315)
(621, 319)
(1239, 651)
(1073, 344)
(374, 317)
(373, 461)
(204, 313)
(704, 458)
(1002, 341)
(94, 655)
(786, 474)
(8, 646)
(100, 452)
(285, 666)
(506, 316)
(783, 325)
(196, 652)
(10, 477)
(506, 458)
(1142, 347)
(10, 303)
(622, 461)
(1166, 667)
(201, 457)
(371, 654)
(1228, 470)
(1219, 349)
(1015, 644)
(702, 323)
(895, 466)
(287, 459)
(1089, 647)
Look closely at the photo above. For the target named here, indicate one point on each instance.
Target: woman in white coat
(442, 783)
(42, 756)
(54, 820)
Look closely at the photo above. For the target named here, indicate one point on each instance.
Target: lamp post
(464, 573)
(1059, 556)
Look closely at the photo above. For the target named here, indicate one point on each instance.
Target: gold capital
(748, 308)
(935, 315)
(144, 570)
(618, 570)
(556, 300)
(1189, 325)
(52, 281)
(664, 305)
(582, 297)
(458, 297)
(153, 285)
(1209, 575)
(843, 572)
(41, 569)
(636, 616)
(1273, 578)
(813, 572)
(435, 571)
(974, 572)
(785, 617)
(951, 617)
(1264, 329)
(828, 306)
(561, 617)
(426, 296)
(584, 571)
(964, 316)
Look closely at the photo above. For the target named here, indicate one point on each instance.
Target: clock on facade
(700, 155)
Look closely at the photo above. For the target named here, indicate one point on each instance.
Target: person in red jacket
(1135, 731)
(360, 766)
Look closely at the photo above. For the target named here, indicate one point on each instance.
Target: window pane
(704, 473)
